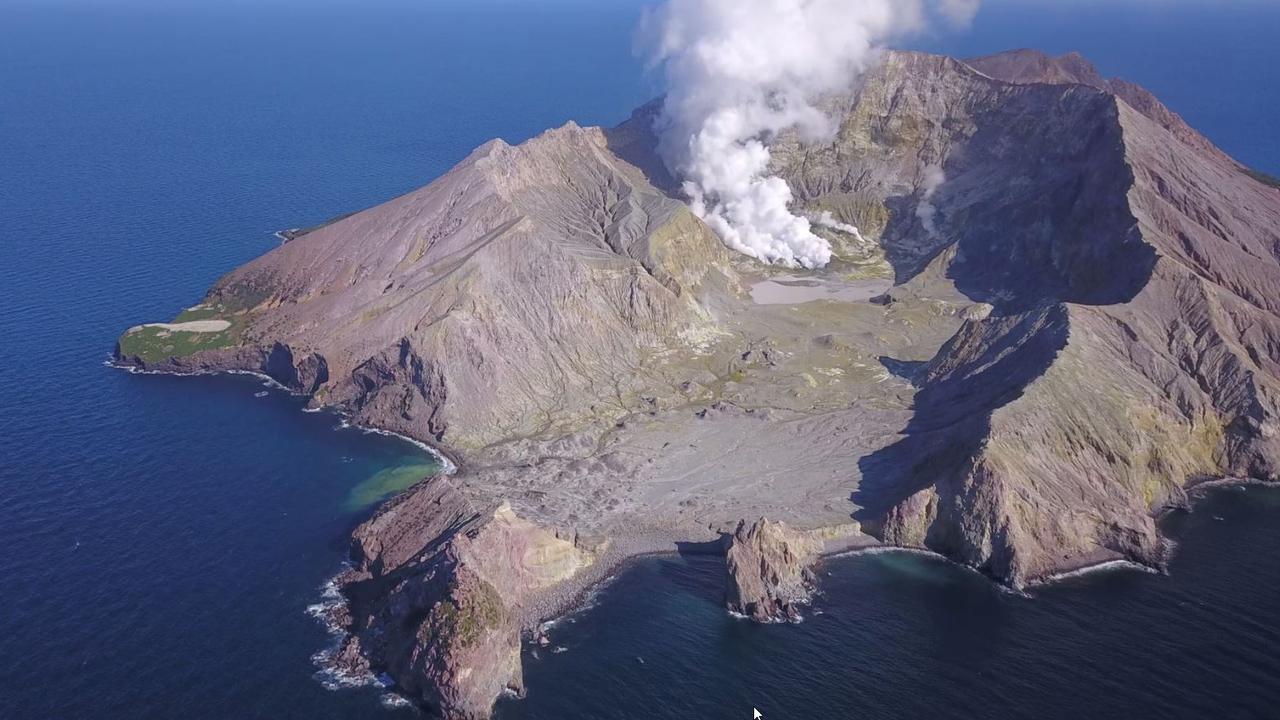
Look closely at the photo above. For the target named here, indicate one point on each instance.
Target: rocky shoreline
(779, 603)
(470, 661)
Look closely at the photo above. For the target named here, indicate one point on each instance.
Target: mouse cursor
(755, 714)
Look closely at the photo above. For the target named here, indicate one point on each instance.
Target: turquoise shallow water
(164, 536)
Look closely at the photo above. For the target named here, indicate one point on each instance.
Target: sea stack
(768, 570)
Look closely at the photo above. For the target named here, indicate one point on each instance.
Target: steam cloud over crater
(739, 71)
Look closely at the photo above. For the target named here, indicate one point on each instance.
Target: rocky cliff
(1074, 316)
(436, 593)
(768, 570)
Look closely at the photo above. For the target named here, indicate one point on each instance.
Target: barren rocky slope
(1077, 316)
(519, 291)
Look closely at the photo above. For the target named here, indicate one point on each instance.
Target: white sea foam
(446, 465)
(132, 370)
(886, 549)
(333, 678)
(392, 701)
(330, 600)
(328, 673)
(267, 380)
(1238, 484)
(1108, 566)
(589, 599)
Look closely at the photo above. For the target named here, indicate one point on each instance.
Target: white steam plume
(827, 220)
(740, 71)
(926, 211)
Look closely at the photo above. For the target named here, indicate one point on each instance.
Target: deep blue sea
(161, 538)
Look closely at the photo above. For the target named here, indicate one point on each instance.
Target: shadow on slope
(635, 141)
(985, 366)
(1036, 216)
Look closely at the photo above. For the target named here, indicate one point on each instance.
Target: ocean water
(163, 537)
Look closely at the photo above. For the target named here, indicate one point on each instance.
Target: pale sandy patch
(196, 326)
(789, 290)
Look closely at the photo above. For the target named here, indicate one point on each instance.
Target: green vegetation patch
(464, 624)
(239, 297)
(153, 344)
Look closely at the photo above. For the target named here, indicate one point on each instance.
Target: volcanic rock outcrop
(436, 592)
(768, 570)
(1076, 316)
